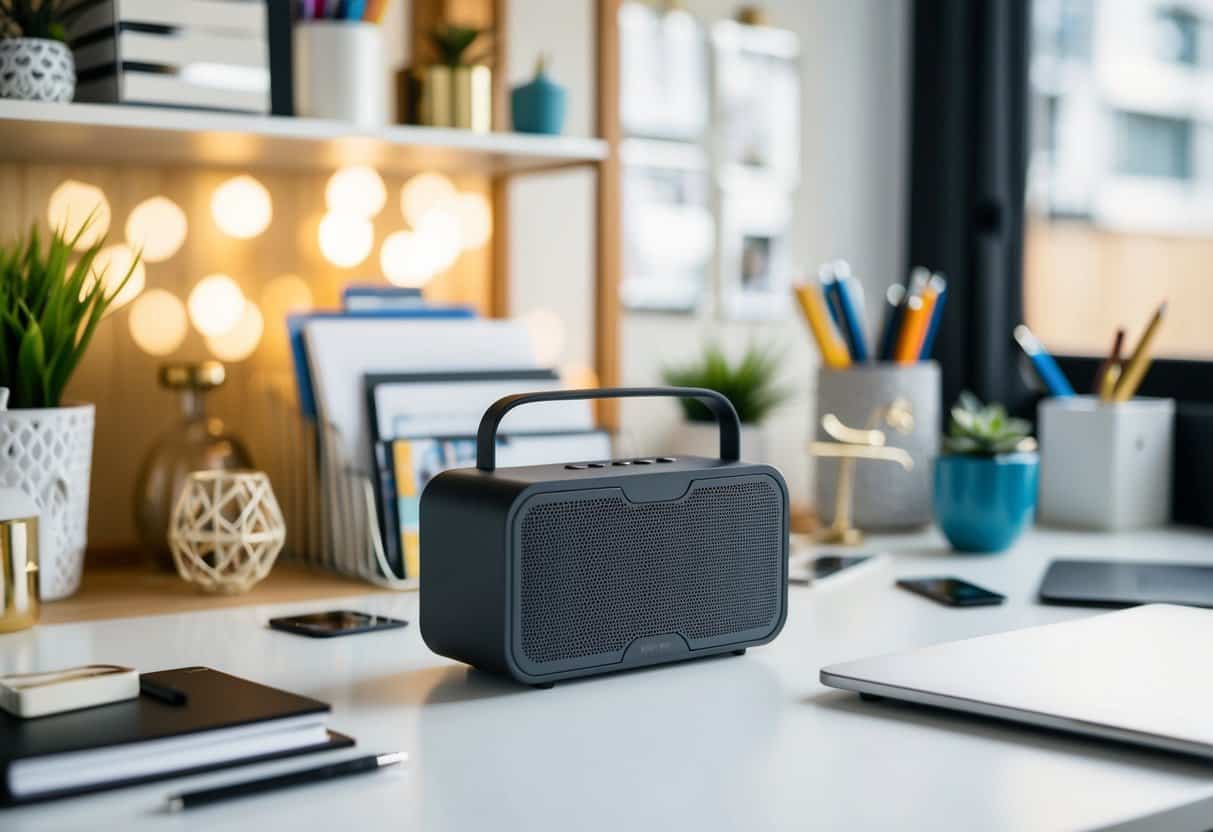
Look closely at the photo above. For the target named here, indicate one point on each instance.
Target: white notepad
(1141, 675)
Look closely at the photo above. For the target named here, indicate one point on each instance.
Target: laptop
(1140, 675)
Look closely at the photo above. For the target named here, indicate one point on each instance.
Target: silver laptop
(1142, 675)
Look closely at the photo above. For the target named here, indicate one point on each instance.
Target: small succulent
(451, 42)
(985, 430)
(749, 385)
(36, 18)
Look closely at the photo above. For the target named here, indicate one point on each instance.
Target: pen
(354, 9)
(829, 342)
(1135, 368)
(1052, 376)
(166, 694)
(894, 297)
(941, 295)
(359, 765)
(375, 10)
(850, 305)
(1109, 369)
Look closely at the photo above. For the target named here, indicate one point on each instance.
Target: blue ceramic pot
(984, 503)
(538, 106)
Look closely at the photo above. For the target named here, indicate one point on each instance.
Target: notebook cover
(216, 701)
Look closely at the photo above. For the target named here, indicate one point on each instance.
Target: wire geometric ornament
(227, 530)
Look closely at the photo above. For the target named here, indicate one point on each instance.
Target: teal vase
(538, 105)
(983, 504)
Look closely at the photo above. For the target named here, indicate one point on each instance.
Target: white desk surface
(752, 742)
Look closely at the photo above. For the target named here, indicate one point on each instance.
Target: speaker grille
(598, 573)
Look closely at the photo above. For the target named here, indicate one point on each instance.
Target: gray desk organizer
(885, 496)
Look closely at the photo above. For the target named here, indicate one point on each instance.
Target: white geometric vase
(36, 69)
(47, 453)
(227, 530)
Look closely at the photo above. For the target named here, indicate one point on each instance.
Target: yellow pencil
(1135, 368)
(914, 322)
(833, 349)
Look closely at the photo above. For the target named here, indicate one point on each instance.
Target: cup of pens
(1105, 458)
(876, 426)
(339, 68)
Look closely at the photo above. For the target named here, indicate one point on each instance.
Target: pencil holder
(885, 496)
(340, 72)
(1105, 465)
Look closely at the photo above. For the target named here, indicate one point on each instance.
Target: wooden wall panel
(121, 380)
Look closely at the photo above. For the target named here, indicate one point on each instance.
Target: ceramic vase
(36, 69)
(983, 503)
(538, 106)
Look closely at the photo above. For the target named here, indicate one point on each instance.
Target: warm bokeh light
(346, 240)
(285, 294)
(357, 190)
(547, 335)
(71, 204)
(422, 194)
(158, 322)
(240, 341)
(475, 220)
(242, 207)
(110, 266)
(407, 260)
(440, 230)
(216, 304)
(156, 228)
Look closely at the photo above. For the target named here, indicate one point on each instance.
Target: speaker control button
(666, 459)
(596, 465)
(623, 462)
(580, 466)
(644, 461)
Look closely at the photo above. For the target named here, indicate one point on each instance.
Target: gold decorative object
(227, 530)
(853, 444)
(18, 572)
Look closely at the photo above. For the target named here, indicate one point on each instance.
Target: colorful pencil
(829, 342)
(353, 9)
(941, 296)
(850, 304)
(1051, 374)
(1139, 362)
(1109, 369)
(913, 326)
(375, 9)
(894, 297)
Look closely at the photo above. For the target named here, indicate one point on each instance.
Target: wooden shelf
(130, 592)
(33, 131)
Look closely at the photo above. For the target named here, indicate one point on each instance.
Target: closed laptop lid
(1140, 675)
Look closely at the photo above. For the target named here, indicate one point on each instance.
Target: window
(1119, 213)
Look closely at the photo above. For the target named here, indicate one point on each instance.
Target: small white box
(1105, 465)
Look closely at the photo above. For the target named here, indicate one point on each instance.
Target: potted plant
(457, 91)
(749, 385)
(35, 63)
(50, 307)
(985, 480)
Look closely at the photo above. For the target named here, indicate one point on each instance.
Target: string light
(240, 341)
(73, 203)
(157, 228)
(357, 190)
(242, 207)
(216, 304)
(110, 266)
(157, 322)
(408, 260)
(422, 194)
(345, 240)
(475, 220)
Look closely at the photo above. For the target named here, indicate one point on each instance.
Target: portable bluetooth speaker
(553, 571)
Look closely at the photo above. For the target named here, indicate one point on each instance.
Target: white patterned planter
(36, 69)
(47, 453)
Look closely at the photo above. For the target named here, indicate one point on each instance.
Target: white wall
(851, 201)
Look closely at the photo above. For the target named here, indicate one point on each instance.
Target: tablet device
(1125, 584)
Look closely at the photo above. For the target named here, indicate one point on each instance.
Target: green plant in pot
(51, 304)
(985, 479)
(35, 63)
(750, 384)
(457, 90)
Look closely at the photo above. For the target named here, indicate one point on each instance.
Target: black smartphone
(823, 566)
(952, 592)
(335, 623)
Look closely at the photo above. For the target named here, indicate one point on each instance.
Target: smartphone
(335, 623)
(823, 566)
(952, 592)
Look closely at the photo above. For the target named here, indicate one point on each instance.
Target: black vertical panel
(968, 156)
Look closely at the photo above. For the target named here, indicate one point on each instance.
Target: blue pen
(850, 304)
(825, 276)
(354, 9)
(892, 321)
(1052, 376)
(928, 341)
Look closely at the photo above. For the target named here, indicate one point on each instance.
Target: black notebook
(227, 721)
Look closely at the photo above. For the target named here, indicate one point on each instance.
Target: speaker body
(555, 571)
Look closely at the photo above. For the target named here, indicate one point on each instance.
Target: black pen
(248, 788)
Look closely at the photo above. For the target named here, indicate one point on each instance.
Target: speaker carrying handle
(722, 408)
